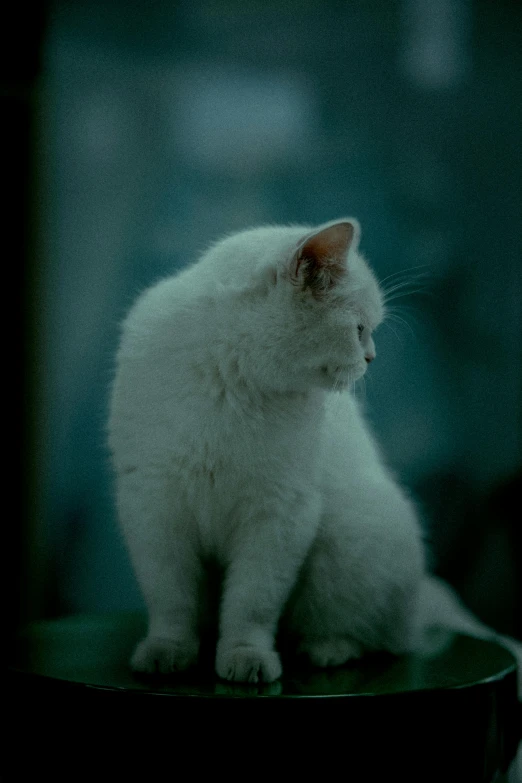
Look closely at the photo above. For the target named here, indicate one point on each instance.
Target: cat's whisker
(414, 285)
(409, 307)
(398, 319)
(385, 323)
(363, 385)
(402, 272)
(397, 311)
(406, 284)
(338, 383)
(403, 293)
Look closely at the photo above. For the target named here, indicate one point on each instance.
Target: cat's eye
(360, 329)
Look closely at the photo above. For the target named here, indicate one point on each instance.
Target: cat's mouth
(337, 369)
(342, 374)
(333, 369)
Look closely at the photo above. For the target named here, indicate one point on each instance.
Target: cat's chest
(228, 487)
(224, 452)
(234, 454)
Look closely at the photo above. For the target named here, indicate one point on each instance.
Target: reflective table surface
(452, 705)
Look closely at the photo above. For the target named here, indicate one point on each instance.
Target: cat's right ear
(320, 259)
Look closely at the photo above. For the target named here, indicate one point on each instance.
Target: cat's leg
(332, 651)
(165, 559)
(311, 612)
(267, 552)
(359, 588)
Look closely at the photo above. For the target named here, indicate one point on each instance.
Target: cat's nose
(369, 357)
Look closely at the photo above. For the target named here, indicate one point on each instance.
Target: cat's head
(309, 301)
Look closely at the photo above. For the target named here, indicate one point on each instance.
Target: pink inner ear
(324, 255)
(329, 245)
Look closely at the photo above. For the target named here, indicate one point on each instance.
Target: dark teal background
(157, 127)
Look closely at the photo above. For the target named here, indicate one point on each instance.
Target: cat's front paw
(248, 664)
(331, 652)
(157, 655)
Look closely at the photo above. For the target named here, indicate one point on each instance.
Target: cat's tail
(441, 609)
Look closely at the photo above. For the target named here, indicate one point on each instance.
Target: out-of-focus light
(241, 121)
(435, 53)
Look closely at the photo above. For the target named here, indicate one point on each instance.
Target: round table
(447, 712)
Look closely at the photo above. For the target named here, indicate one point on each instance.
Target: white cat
(237, 442)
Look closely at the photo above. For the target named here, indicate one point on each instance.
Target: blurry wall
(161, 126)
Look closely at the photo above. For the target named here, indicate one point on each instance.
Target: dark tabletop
(94, 650)
(454, 701)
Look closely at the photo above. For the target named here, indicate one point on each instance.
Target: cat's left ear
(321, 258)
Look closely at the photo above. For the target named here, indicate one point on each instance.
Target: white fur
(236, 440)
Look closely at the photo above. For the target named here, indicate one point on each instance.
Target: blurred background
(137, 132)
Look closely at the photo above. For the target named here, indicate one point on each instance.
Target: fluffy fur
(237, 443)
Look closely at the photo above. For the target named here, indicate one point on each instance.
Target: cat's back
(160, 315)
(180, 311)
(162, 338)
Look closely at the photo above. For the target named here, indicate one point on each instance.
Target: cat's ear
(320, 260)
